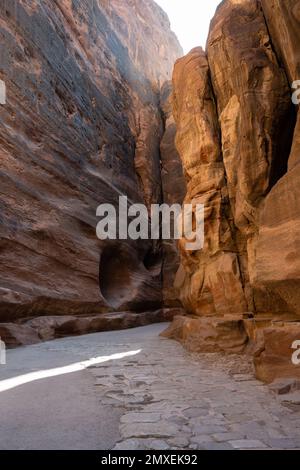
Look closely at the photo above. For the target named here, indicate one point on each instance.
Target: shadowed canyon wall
(238, 138)
(82, 125)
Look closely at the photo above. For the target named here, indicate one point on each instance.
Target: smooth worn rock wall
(82, 124)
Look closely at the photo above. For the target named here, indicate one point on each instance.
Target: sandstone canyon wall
(238, 137)
(174, 190)
(82, 125)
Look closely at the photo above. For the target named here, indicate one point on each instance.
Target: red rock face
(174, 190)
(82, 125)
(238, 137)
(209, 280)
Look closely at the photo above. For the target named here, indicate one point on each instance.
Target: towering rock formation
(174, 190)
(82, 125)
(239, 143)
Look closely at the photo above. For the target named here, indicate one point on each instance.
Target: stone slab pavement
(135, 390)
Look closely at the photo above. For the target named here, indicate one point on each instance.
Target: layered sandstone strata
(81, 126)
(239, 143)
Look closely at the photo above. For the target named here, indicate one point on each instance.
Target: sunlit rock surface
(174, 190)
(238, 138)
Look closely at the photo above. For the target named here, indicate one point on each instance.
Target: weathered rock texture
(239, 143)
(174, 190)
(82, 125)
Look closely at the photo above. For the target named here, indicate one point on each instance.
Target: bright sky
(190, 20)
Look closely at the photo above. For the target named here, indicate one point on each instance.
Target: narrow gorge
(96, 109)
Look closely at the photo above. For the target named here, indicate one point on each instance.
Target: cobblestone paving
(141, 392)
(172, 400)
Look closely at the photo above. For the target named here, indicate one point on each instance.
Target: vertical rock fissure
(279, 165)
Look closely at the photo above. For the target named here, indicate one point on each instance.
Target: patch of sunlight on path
(14, 382)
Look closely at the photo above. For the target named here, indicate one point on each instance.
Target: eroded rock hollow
(238, 138)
